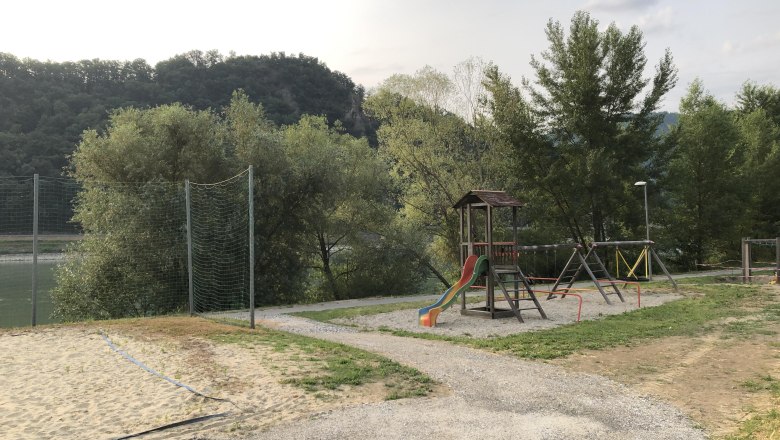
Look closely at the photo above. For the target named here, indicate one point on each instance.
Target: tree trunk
(326, 270)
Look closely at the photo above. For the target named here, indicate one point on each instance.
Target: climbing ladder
(593, 266)
(516, 288)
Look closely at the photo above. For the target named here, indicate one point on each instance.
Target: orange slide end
(429, 319)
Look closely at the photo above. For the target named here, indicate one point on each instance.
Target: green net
(219, 215)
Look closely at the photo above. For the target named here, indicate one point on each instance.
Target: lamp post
(643, 184)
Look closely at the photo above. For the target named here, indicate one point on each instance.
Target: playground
(510, 290)
(560, 311)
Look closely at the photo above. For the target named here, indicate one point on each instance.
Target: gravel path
(493, 396)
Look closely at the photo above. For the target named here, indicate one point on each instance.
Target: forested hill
(45, 106)
(670, 120)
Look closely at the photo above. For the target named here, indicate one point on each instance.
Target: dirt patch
(703, 375)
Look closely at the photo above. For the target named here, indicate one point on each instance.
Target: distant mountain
(670, 120)
(45, 106)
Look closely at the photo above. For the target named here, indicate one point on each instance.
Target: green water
(16, 293)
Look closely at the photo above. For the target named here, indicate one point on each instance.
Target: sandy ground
(66, 383)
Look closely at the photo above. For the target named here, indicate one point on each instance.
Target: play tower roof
(490, 198)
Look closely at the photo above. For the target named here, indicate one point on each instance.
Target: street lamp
(643, 184)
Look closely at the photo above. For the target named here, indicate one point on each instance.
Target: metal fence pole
(251, 249)
(35, 252)
(745, 261)
(189, 245)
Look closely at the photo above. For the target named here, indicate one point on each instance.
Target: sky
(723, 43)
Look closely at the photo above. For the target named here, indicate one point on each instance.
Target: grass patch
(764, 426)
(763, 383)
(328, 366)
(686, 317)
(321, 366)
(746, 328)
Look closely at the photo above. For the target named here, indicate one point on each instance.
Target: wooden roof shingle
(492, 198)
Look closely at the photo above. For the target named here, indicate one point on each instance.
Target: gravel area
(493, 396)
(559, 311)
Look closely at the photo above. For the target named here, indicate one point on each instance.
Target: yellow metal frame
(644, 255)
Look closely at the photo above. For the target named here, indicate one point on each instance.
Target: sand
(65, 382)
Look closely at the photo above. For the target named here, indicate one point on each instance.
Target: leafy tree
(758, 120)
(280, 231)
(435, 159)
(753, 97)
(132, 261)
(707, 200)
(585, 132)
(347, 185)
(427, 87)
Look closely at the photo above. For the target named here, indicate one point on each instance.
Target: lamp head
(640, 183)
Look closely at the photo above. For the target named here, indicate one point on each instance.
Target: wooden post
(460, 237)
(777, 260)
(515, 251)
(461, 213)
(489, 239)
(469, 235)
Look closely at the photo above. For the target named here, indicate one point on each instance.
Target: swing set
(647, 255)
(641, 261)
(576, 265)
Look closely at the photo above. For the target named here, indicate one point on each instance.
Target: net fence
(55, 231)
(111, 250)
(219, 215)
(132, 260)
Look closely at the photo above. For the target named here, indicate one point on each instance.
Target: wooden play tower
(503, 271)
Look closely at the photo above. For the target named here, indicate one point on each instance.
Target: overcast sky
(722, 42)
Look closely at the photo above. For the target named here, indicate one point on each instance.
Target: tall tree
(758, 119)
(435, 158)
(347, 186)
(708, 202)
(585, 132)
(132, 261)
